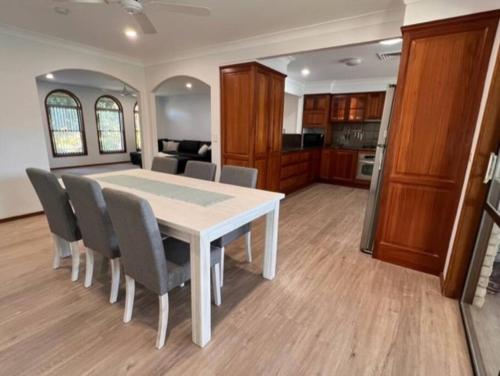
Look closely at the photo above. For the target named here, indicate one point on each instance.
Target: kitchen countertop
(291, 150)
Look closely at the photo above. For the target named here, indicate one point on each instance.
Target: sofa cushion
(189, 147)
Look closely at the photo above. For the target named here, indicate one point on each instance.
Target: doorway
(480, 303)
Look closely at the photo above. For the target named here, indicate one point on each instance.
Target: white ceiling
(326, 65)
(86, 78)
(177, 86)
(102, 26)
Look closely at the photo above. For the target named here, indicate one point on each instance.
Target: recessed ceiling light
(189, 85)
(390, 42)
(49, 76)
(305, 72)
(131, 33)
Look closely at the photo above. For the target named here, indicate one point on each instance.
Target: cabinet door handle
(491, 168)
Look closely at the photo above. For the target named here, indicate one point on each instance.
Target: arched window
(137, 126)
(110, 129)
(65, 120)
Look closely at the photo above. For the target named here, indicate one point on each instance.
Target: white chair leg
(162, 320)
(115, 279)
(216, 284)
(222, 266)
(57, 254)
(129, 298)
(75, 261)
(248, 245)
(89, 267)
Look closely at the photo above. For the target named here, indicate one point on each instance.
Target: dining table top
(187, 204)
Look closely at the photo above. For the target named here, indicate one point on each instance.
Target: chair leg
(129, 298)
(61, 250)
(222, 266)
(75, 261)
(162, 320)
(115, 279)
(248, 245)
(216, 283)
(89, 267)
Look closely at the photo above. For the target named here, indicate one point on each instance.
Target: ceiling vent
(389, 56)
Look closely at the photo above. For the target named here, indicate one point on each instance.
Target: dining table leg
(271, 244)
(200, 290)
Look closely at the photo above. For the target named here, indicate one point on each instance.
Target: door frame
(453, 281)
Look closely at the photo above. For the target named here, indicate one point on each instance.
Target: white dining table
(198, 212)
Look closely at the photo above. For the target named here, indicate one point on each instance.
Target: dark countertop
(292, 150)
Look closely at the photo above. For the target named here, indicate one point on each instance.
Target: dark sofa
(188, 150)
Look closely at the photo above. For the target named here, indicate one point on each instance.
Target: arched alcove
(77, 133)
(183, 112)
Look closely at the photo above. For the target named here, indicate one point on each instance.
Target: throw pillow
(170, 146)
(203, 150)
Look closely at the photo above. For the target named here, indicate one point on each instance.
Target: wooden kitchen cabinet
(356, 108)
(338, 108)
(252, 100)
(339, 166)
(374, 106)
(316, 111)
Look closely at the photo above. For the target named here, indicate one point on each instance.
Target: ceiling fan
(136, 9)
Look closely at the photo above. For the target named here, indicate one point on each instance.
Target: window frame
(137, 116)
(122, 124)
(81, 124)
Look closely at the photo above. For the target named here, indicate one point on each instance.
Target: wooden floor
(331, 310)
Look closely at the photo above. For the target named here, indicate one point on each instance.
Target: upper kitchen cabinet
(252, 99)
(356, 108)
(338, 112)
(374, 106)
(316, 110)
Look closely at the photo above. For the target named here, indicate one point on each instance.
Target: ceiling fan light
(130, 33)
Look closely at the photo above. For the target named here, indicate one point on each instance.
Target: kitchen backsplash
(362, 135)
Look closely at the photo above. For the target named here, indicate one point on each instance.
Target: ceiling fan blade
(145, 24)
(194, 10)
(82, 1)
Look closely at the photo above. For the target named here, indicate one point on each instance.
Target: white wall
(23, 57)
(183, 117)
(88, 97)
(290, 111)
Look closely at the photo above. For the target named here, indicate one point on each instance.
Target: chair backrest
(139, 239)
(165, 164)
(242, 176)
(200, 170)
(92, 214)
(55, 203)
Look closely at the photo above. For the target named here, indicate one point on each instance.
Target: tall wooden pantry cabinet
(252, 100)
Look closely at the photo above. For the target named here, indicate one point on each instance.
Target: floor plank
(332, 310)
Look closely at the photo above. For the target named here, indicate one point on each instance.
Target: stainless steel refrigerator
(368, 236)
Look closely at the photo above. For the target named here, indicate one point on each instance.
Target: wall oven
(366, 162)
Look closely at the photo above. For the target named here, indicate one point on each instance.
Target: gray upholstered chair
(243, 177)
(165, 164)
(96, 228)
(157, 264)
(62, 220)
(200, 170)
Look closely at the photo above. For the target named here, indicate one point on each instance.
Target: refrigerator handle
(491, 168)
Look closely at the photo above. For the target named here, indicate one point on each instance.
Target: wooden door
(440, 83)
(338, 108)
(343, 165)
(263, 107)
(277, 92)
(325, 162)
(237, 136)
(374, 106)
(316, 111)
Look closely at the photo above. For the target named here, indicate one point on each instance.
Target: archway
(183, 118)
(91, 120)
